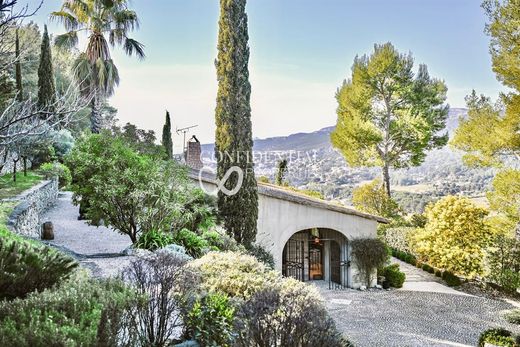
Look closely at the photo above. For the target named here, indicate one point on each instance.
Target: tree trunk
(386, 180)
(96, 114)
(4, 160)
(15, 162)
(24, 159)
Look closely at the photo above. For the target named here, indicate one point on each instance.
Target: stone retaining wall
(25, 218)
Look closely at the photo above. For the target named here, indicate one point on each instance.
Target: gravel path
(414, 274)
(97, 248)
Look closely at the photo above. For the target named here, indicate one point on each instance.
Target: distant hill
(315, 164)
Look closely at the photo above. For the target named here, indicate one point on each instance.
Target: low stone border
(25, 218)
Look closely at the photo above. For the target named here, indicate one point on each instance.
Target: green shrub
(412, 260)
(194, 244)
(51, 170)
(393, 276)
(210, 321)
(262, 255)
(418, 220)
(130, 192)
(234, 274)
(498, 337)
(219, 240)
(399, 238)
(153, 240)
(26, 267)
(503, 262)
(438, 273)
(167, 285)
(175, 250)
(69, 315)
(513, 316)
(451, 279)
(287, 313)
(370, 254)
(428, 268)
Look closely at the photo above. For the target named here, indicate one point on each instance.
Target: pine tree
(18, 69)
(167, 136)
(233, 138)
(46, 86)
(389, 116)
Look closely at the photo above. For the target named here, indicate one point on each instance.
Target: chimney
(193, 154)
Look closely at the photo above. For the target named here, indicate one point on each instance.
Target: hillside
(315, 164)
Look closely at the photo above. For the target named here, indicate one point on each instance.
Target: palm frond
(132, 46)
(82, 10)
(68, 40)
(68, 20)
(107, 76)
(82, 71)
(112, 76)
(116, 36)
(126, 20)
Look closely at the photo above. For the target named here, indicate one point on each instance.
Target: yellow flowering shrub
(455, 236)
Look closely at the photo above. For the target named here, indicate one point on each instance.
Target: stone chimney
(193, 153)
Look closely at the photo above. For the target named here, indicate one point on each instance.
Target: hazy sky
(301, 50)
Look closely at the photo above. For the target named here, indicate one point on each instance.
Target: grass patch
(9, 189)
(6, 207)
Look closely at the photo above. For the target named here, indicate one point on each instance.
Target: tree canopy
(389, 116)
(489, 134)
(107, 23)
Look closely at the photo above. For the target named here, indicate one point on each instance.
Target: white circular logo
(221, 183)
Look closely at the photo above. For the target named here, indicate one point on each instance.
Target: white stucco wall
(279, 219)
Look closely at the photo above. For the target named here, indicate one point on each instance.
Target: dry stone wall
(26, 216)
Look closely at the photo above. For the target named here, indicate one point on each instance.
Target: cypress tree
(233, 138)
(281, 172)
(167, 136)
(46, 86)
(18, 68)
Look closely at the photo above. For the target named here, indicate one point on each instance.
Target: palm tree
(94, 70)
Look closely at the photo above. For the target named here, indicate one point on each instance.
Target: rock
(378, 286)
(47, 231)
(363, 288)
(127, 251)
(189, 343)
(136, 252)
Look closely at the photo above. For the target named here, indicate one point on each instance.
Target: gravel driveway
(404, 318)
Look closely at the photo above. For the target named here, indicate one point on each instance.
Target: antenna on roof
(184, 131)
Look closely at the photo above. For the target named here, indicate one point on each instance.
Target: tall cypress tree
(46, 85)
(167, 136)
(18, 68)
(233, 138)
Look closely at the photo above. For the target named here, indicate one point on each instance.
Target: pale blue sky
(301, 50)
